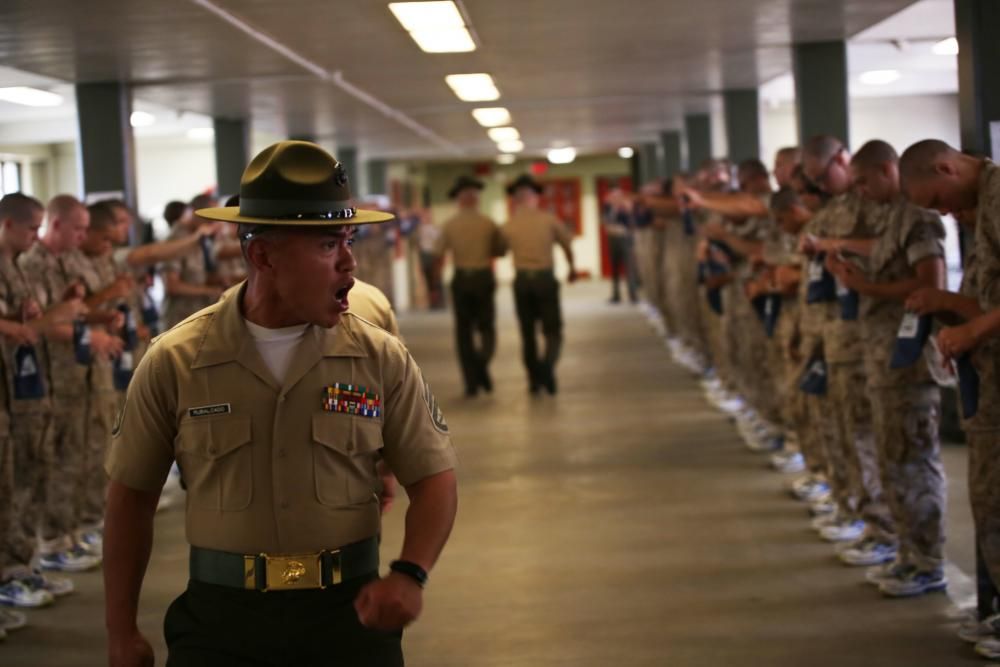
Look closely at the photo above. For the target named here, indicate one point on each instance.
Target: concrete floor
(619, 523)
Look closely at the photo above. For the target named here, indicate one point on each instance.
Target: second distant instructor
(531, 233)
(473, 240)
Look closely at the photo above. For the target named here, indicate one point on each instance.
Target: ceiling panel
(590, 72)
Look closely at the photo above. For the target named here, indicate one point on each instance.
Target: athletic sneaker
(974, 631)
(879, 573)
(822, 506)
(989, 648)
(831, 519)
(12, 620)
(15, 593)
(913, 582)
(867, 551)
(808, 489)
(92, 542)
(58, 586)
(843, 531)
(788, 462)
(74, 559)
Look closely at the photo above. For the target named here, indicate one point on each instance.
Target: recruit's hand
(67, 311)
(30, 310)
(848, 274)
(808, 244)
(786, 278)
(123, 286)
(132, 650)
(74, 291)
(22, 334)
(714, 230)
(692, 198)
(956, 341)
(925, 301)
(389, 604)
(104, 344)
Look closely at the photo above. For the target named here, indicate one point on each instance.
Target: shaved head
(826, 162)
(19, 207)
(919, 159)
(875, 154)
(936, 176)
(61, 206)
(875, 172)
(822, 147)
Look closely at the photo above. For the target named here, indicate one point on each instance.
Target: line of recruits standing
(810, 314)
(474, 241)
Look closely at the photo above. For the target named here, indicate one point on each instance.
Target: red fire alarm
(482, 169)
(539, 168)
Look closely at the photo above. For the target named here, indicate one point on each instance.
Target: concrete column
(976, 26)
(232, 154)
(698, 128)
(377, 182)
(107, 152)
(821, 93)
(672, 157)
(742, 124)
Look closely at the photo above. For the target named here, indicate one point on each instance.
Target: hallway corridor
(620, 523)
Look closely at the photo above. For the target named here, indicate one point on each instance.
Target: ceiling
(593, 74)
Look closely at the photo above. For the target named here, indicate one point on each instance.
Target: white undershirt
(276, 346)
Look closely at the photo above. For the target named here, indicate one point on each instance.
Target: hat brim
(466, 186)
(232, 214)
(511, 189)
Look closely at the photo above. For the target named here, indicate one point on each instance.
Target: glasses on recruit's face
(820, 180)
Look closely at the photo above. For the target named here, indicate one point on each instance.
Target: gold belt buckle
(286, 573)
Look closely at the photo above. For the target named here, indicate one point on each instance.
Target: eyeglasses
(821, 180)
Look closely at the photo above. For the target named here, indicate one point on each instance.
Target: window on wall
(10, 177)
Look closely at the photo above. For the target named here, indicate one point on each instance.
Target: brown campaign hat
(524, 181)
(462, 183)
(294, 183)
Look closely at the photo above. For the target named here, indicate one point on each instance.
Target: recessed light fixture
(504, 134)
(506, 158)
(515, 146)
(879, 77)
(491, 116)
(201, 133)
(142, 119)
(30, 97)
(436, 27)
(562, 155)
(473, 87)
(625, 152)
(946, 47)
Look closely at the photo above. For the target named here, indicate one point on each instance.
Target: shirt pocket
(216, 462)
(344, 455)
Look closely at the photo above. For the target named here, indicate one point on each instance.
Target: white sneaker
(843, 531)
(57, 586)
(811, 491)
(974, 631)
(867, 551)
(70, 560)
(92, 542)
(913, 582)
(821, 522)
(822, 506)
(16, 594)
(879, 573)
(788, 462)
(12, 620)
(989, 648)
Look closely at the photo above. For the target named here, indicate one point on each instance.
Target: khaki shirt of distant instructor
(531, 233)
(474, 240)
(267, 468)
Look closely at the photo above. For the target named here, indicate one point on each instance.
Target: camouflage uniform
(907, 403)
(192, 270)
(96, 274)
(850, 217)
(67, 383)
(30, 427)
(983, 430)
(683, 290)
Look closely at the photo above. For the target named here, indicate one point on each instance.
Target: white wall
(168, 169)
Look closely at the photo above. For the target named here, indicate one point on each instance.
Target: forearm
(965, 307)
(665, 205)
(106, 295)
(733, 204)
(861, 247)
(177, 287)
(163, 251)
(897, 291)
(986, 326)
(128, 541)
(429, 518)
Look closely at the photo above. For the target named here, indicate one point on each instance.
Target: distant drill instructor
(474, 241)
(296, 516)
(531, 233)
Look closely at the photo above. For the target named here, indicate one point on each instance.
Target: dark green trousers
(536, 300)
(216, 626)
(472, 295)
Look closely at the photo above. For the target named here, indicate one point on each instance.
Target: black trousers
(536, 300)
(217, 626)
(472, 294)
(622, 256)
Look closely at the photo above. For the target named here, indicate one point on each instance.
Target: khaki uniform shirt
(190, 268)
(272, 468)
(984, 358)
(473, 239)
(369, 303)
(14, 291)
(67, 378)
(910, 235)
(531, 235)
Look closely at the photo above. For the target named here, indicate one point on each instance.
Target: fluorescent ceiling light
(473, 87)
(506, 158)
(879, 77)
(625, 152)
(491, 116)
(436, 27)
(946, 47)
(142, 119)
(562, 155)
(427, 15)
(30, 97)
(515, 146)
(201, 133)
(504, 134)
(453, 40)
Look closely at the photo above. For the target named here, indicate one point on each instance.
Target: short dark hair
(173, 211)
(19, 207)
(753, 168)
(822, 147)
(874, 154)
(784, 199)
(102, 216)
(918, 160)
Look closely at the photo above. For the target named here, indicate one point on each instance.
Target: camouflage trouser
(7, 517)
(856, 445)
(984, 494)
(821, 426)
(93, 485)
(906, 427)
(761, 362)
(794, 411)
(30, 438)
(69, 445)
(712, 324)
(686, 298)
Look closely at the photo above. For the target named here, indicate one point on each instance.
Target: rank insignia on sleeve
(352, 399)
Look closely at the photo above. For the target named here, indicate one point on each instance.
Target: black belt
(473, 272)
(273, 572)
(535, 273)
